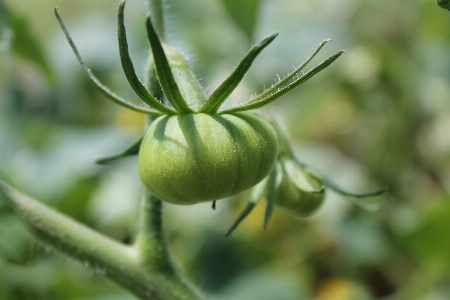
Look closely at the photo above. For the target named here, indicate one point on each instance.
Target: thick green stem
(150, 241)
(107, 257)
(67, 235)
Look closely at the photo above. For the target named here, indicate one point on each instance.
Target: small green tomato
(190, 158)
(194, 151)
(299, 193)
(296, 188)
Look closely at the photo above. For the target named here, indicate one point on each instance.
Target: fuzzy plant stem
(123, 264)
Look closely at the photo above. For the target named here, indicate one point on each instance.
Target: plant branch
(105, 256)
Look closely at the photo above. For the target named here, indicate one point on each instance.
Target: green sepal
(256, 195)
(297, 175)
(273, 185)
(165, 76)
(24, 43)
(132, 150)
(285, 80)
(286, 89)
(105, 90)
(358, 199)
(227, 87)
(444, 4)
(128, 68)
(344, 192)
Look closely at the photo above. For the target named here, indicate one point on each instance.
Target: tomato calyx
(178, 83)
(171, 87)
(176, 79)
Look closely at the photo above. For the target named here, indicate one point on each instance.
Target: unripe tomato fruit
(292, 197)
(191, 158)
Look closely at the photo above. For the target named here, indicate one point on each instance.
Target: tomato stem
(150, 241)
(119, 262)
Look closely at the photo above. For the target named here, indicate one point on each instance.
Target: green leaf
(290, 87)
(4, 20)
(106, 91)
(128, 68)
(165, 76)
(244, 14)
(26, 45)
(257, 193)
(444, 4)
(5, 44)
(132, 150)
(429, 244)
(227, 87)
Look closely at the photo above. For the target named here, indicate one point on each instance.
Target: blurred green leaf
(264, 285)
(16, 245)
(4, 20)
(444, 4)
(5, 39)
(77, 197)
(26, 45)
(244, 13)
(430, 242)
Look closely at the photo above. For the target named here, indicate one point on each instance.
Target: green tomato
(191, 158)
(295, 192)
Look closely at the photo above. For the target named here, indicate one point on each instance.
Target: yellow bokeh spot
(335, 289)
(130, 120)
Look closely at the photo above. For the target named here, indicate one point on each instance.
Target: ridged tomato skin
(192, 158)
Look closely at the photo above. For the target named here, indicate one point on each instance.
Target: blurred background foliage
(378, 116)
